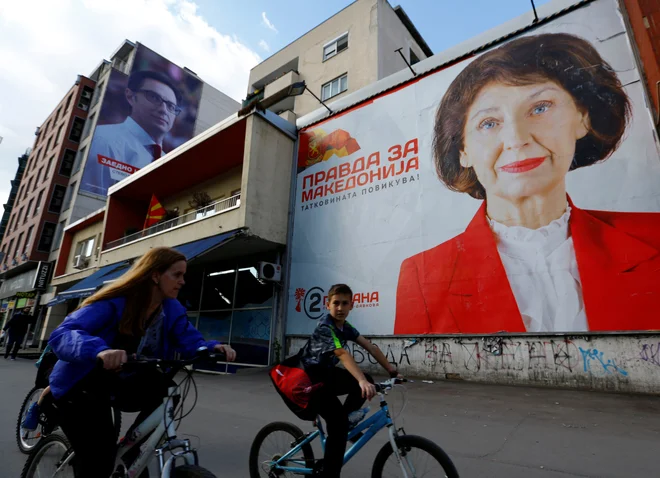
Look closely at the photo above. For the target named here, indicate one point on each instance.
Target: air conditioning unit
(270, 272)
(80, 262)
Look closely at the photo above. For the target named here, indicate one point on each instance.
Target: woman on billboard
(508, 130)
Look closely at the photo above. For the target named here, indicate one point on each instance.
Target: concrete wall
(392, 35)
(360, 58)
(219, 187)
(266, 186)
(214, 107)
(618, 363)
(192, 231)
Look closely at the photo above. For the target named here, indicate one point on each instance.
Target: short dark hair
(568, 60)
(136, 81)
(338, 289)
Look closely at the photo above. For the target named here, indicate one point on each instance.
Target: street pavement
(488, 431)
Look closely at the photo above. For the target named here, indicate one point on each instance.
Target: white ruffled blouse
(543, 274)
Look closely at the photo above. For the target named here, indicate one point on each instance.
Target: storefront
(225, 296)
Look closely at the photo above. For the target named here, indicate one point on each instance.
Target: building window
(27, 212)
(68, 102)
(88, 126)
(413, 58)
(335, 46)
(334, 87)
(85, 98)
(37, 206)
(50, 140)
(11, 220)
(79, 159)
(28, 238)
(57, 199)
(69, 196)
(18, 245)
(57, 238)
(84, 250)
(20, 215)
(59, 113)
(9, 251)
(46, 239)
(50, 163)
(58, 138)
(20, 192)
(39, 173)
(66, 166)
(76, 129)
(28, 188)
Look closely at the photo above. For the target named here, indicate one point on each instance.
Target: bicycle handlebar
(388, 384)
(202, 355)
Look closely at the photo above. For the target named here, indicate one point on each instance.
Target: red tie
(157, 151)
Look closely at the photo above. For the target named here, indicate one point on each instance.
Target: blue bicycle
(281, 449)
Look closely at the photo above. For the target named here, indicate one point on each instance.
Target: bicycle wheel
(271, 443)
(28, 439)
(420, 456)
(191, 471)
(51, 457)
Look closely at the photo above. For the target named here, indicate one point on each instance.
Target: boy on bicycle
(320, 355)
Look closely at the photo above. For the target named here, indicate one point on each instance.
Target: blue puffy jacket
(93, 329)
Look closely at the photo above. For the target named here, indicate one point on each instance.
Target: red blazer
(461, 286)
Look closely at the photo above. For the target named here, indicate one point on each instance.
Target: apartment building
(13, 192)
(227, 212)
(40, 198)
(352, 49)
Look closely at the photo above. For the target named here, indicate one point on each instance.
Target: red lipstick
(523, 166)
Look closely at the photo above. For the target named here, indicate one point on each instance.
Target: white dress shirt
(543, 274)
(125, 142)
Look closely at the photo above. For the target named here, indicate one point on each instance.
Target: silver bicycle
(54, 457)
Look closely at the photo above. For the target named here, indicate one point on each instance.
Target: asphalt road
(488, 431)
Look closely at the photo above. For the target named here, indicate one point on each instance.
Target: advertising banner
(514, 191)
(144, 115)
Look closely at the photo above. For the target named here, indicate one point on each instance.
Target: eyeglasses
(156, 99)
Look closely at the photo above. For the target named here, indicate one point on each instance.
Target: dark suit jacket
(461, 286)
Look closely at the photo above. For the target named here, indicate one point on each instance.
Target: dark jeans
(337, 381)
(86, 415)
(15, 343)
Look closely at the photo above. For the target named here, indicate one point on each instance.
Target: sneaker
(357, 416)
(31, 421)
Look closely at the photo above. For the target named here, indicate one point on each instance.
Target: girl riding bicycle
(137, 314)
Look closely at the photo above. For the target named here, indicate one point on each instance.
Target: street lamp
(298, 88)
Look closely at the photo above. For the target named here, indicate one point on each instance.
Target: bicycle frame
(369, 427)
(161, 423)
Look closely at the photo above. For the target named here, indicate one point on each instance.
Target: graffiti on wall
(651, 353)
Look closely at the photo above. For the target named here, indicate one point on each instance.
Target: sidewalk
(488, 431)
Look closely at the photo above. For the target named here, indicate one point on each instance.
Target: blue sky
(442, 23)
(44, 45)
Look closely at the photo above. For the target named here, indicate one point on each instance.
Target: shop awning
(111, 272)
(89, 285)
(198, 248)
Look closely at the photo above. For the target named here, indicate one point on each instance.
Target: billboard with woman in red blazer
(508, 130)
(512, 185)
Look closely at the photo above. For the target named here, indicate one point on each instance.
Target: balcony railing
(212, 209)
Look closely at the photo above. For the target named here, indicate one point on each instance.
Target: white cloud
(263, 44)
(267, 22)
(44, 45)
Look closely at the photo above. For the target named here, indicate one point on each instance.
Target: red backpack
(295, 387)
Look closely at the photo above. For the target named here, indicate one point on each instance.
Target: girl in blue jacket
(137, 314)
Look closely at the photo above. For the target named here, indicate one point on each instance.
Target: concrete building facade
(350, 50)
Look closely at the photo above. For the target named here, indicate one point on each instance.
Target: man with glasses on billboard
(119, 150)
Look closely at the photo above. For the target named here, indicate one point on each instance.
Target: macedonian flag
(156, 212)
(316, 146)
